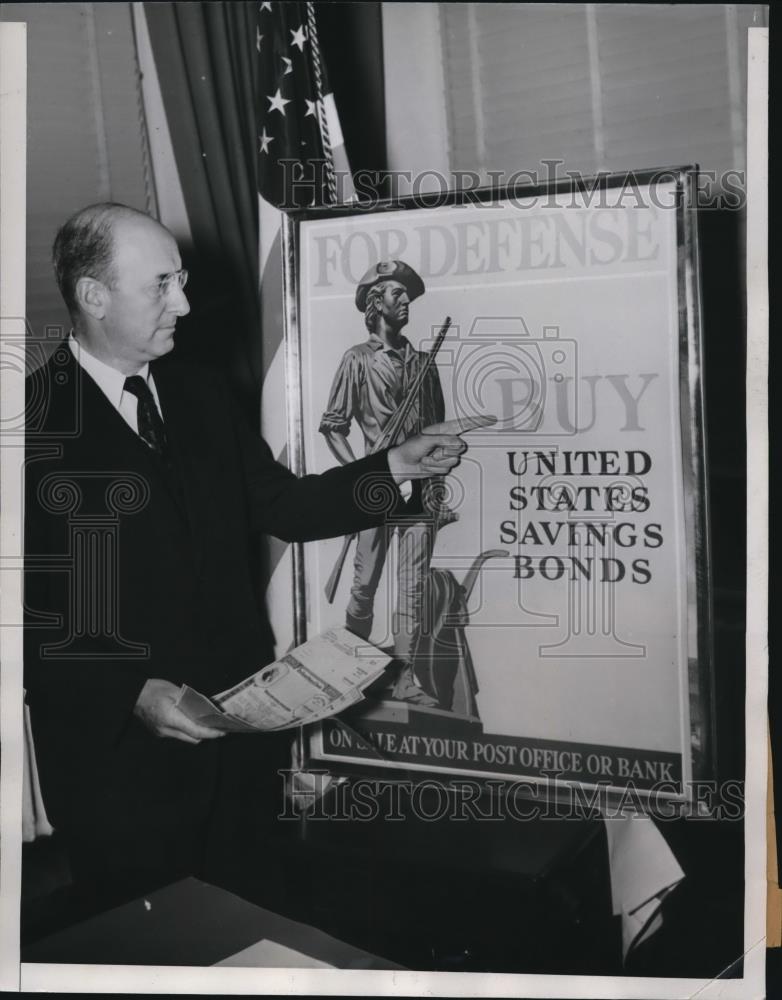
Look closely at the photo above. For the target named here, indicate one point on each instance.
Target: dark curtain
(351, 39)
(205, 56)
(205, 59)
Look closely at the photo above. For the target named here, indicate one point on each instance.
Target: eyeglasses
(167, 283)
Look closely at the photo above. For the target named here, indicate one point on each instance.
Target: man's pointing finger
(461, 425)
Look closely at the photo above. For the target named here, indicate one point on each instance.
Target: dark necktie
(150, 424)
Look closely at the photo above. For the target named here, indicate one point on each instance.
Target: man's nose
(178, 301)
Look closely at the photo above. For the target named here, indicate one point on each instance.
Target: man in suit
(144, 490)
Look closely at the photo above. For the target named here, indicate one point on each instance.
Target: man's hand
(156, 709)
(435, 451)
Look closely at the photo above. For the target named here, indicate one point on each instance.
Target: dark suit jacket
(135, 572)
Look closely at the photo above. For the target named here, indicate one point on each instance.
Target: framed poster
(548, 604)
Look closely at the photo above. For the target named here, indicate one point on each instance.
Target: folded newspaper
(316, 680)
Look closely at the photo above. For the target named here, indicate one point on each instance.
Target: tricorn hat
(389, 270)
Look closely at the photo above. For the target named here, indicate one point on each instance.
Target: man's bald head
(84, 247)
(121, 275)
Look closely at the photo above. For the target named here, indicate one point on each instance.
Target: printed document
(318, 679)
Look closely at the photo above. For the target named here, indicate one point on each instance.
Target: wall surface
(86, 139)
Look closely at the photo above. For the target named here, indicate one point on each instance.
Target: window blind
(598, 86)
(86, 138)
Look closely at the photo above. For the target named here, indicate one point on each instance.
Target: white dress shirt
(112, 383)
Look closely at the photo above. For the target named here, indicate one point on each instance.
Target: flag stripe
(272, 322)
(332, 119)
(279, 602)
(273, 405)
(276, 552)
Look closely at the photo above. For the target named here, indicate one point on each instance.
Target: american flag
(300, 145)
(301, 162)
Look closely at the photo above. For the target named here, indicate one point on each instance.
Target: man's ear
(91, 295)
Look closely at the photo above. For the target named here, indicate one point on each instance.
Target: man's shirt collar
(109, 380)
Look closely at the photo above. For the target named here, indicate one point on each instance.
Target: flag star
(299, 38)
(265, 141)
(288, 65)
(278, 102)
(310, 107)
(265, 6)
(258, 39)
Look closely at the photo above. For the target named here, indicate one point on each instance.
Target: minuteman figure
(369, 387)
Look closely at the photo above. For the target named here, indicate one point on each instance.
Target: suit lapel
(102, 437)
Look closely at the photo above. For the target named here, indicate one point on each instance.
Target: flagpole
(299, 595)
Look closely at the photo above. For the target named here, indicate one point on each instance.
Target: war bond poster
(545, 605)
